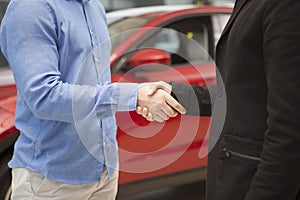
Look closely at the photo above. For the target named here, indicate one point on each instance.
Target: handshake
(155, 102)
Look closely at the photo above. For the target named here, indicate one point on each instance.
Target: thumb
(175, 105)
(153, 88)
(159, 85)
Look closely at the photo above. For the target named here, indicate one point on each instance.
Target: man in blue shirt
(59, 53)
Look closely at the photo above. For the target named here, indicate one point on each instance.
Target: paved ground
(188, 192)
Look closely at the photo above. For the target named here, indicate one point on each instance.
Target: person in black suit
(257, 156)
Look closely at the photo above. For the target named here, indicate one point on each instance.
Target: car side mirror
(149, 56)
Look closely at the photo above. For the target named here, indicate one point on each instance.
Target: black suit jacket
(257, 156)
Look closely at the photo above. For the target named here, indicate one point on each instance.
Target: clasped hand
(155, 102)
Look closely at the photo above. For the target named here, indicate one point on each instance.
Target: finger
(153, 88)
(169, 110)
(150, 117)
(158, 112)
(166, 87)
(175, 105)
(145, 112)
(158, 119)
(159, 85)
(163, 116)
(170, 101)
(139, 110)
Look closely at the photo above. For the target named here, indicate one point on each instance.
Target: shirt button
(96, 59)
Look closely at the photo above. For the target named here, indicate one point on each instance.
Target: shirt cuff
(128, 93)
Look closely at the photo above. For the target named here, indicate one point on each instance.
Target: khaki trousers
(27, 185)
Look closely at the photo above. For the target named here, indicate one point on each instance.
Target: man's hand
(155, 102)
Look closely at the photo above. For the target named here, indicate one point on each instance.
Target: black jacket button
(226, 152)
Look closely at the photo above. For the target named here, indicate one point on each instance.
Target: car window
(229, 3)
(186, 40)
(165, 39)
(3, 6)
(219, 21)
(125, 26)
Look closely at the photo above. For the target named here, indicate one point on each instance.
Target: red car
(152, 155)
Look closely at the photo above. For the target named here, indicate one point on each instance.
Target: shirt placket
(89, 24)
(94, 43)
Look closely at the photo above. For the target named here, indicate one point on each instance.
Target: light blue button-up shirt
(59, 53)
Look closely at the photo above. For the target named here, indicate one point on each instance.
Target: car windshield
(125, 26)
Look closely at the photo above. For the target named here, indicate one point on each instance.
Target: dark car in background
(148, 45)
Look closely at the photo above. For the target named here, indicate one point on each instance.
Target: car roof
(132, 12)
(157, 11)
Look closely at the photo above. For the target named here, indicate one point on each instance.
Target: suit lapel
(237, 8)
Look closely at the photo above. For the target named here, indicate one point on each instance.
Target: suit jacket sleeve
(278, 173)
(194, 98)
